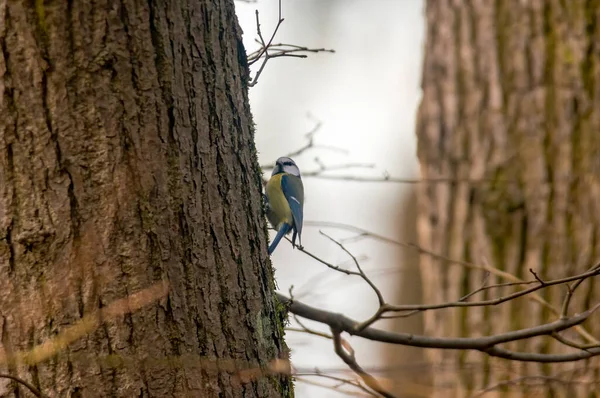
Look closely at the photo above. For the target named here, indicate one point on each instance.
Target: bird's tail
(285, 228)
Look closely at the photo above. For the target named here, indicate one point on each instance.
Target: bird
(285, 201)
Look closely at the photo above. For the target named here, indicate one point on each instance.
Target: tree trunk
(127, 159)
(511, 113)
(407, 367)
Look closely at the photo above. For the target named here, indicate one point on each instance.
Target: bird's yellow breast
(279, 210)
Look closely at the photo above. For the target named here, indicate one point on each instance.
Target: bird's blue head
(286, 165)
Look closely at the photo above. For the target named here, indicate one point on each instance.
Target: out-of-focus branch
(310, 145)
(323, 170)
(541, 381)
(308, 331)
(303, 328)
(29, 386)
(570, 291)
(345, 352)
(340, 382)
(88, 324)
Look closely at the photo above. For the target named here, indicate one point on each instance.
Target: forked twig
(268, 50)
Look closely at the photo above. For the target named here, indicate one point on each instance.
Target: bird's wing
(294, 193)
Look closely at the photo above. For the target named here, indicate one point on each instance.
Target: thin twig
(327, 264)
(360, 271)
(350, 360)
(424, 307)
(305, 329)
(480, 289)
(310, 145)
(571, 291)
(535, 275)
(342, 381)
(268, 50)
(573, 344)
(309, 331)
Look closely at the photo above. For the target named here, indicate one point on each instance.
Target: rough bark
(127, 158)
(511, 98)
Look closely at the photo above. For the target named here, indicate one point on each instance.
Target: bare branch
(264, 49)
(543, 381)
(487, 344)
(323, 168)
(285, 50)
(342, 381)
(387, 178)
(535, 275)
(424, 307)
(573, 344)
(310, 145)
(309, 331)
(305, 329)
(327, 264)
(461, 302)
(570, 292)
(268, 50)
(360, 271)
(482, 288)
(350, 360)
(495, 271)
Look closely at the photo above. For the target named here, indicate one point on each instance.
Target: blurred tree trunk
(126, 159)
(511, 96)
(406, 367)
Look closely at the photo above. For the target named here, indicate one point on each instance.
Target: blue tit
(285, 199)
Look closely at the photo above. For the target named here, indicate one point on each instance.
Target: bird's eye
(287, 163)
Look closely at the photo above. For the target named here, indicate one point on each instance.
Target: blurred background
(362, 120)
